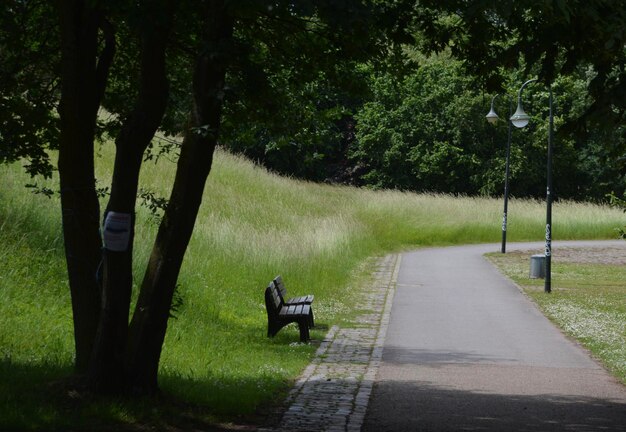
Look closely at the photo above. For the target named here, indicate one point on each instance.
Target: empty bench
(279, 314)
(307, 299)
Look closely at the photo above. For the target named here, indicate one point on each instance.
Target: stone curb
(333, 392)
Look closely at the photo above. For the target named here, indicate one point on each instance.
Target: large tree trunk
(82, 79)
(149, 323)
(106, 370)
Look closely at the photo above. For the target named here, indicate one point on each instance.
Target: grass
(252, 226)
(588, 301)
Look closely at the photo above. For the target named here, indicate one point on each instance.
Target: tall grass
(252, 226)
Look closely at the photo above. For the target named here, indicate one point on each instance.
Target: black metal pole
(548, 278)
(506, 182)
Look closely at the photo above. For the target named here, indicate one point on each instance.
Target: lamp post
(492, 118)
(519, 120)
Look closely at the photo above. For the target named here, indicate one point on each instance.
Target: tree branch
(105, 59)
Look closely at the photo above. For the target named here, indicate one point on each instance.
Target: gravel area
(583, 255)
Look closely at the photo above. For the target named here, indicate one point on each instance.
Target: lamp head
(520, 118)
(492, 117)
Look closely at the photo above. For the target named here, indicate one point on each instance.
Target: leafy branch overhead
(547, 38)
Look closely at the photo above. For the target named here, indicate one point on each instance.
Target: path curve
(466, 350)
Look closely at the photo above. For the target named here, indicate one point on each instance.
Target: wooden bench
(307, 299)
(279, 314)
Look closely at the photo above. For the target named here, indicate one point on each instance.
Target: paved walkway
(463, 350)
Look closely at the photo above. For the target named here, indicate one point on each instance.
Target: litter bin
(537, 266)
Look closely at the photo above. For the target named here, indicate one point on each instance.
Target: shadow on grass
(47, 397)
(40, 396)
(256, 391)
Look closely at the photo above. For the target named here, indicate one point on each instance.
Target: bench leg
(303, 323)
(273, 327)
(303, 326)
(311, 320)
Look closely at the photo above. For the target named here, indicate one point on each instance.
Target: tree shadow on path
(422, 406)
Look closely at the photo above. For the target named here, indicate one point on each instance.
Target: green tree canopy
(545, 37)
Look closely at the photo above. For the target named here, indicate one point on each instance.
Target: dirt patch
(588, 255)
(609, 255)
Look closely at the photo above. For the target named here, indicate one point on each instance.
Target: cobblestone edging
(333, 391)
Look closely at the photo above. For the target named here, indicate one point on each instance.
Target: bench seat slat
(301, 299)
(297, 309)
(287, 310)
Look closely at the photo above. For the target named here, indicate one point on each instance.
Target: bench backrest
(273, 300)
(282, 289)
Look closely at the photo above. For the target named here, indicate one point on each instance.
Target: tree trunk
(82, 85)
(149, 323)
(106, 370)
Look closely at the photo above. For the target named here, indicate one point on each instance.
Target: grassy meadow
(252, 226)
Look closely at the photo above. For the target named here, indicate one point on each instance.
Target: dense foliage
(28, 81)
(428, 133)
(303, 130)
(296, 95)
(422, 127)
(425, 130)
(420, 133)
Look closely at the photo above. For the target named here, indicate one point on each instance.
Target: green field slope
(252, 226)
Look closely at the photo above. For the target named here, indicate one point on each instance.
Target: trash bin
(537, 266)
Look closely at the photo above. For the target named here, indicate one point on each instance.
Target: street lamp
(492, 118)
(521, 119)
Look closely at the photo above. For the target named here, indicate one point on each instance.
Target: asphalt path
(467, 351)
